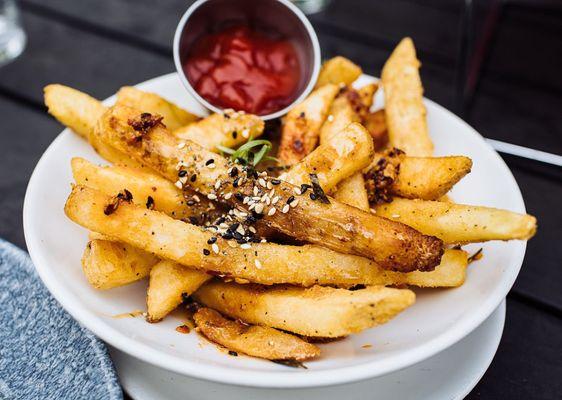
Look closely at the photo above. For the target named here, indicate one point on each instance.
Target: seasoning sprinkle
(209, 161)
(215, 248)
(285, 209)
(275, 181)
(206, 252)
(271, 211)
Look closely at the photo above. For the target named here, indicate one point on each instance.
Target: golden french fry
(229, 129)
(404, 108)
(458, 223)
(107, 264)
(313, 219)
(168, 283)
(256, 341)
(338, 70)
(148, 189)
(302, 125)
(351, 191)
(345, 154)
(375, 123)
(186, 244)
(174, 116)
(317, 311)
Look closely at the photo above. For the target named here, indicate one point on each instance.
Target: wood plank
(26, 133)
(527, 364)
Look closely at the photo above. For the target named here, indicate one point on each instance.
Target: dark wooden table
(100, 45)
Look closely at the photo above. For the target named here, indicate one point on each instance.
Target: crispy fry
(375, 123)
(332, 162)
(458, 223)
(174, 116)
(229, 129)
(168, 283)
(256, 341)
(316, 312)
(108, 264)
(148, 189)
(185, 244)
(302, 125)
(404, 108)
(338, 70)
(351, 191)
(334, 225)
(429, 178)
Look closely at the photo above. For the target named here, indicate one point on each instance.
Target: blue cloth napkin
(44, 353)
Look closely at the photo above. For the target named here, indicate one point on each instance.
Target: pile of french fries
(272, 258)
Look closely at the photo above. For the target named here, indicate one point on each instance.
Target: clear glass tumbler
(12, 36)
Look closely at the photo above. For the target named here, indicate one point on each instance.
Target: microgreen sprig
(252, 152)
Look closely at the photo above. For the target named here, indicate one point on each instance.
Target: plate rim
(270, 379)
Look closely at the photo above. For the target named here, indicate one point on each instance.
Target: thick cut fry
(333, 225)
(302, 125)
(148, 189)
(338, 70)
(428, 178)
(256, 341)
(351, 191)
(108, 264)
(341, 115)
(375, 123)
(229, 129)
(458, 223)
(80, 112)
(404, 108)
(339, 158)
(317, 311)
(168, 283)
(73, 108)
(265, 263)
(174, 116)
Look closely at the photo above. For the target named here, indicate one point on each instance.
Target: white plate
(449, 375)
(439, 318)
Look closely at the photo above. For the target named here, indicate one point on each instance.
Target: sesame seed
(252, 229)
(275, 181)
(256, 191)
(246, 246)
(263, 241)
(209, 161)
(181, 145)
(297, 191)
(246, 133)
(294, 203)
(211, 166)
(330, 118)
(269, 185)
(395, 216)
(206, 252)
(290, 199)
(212, 240)
(275, 200)
(252, 206)
(285, 209)
(218, 184)
(215, 248)
(193, 178)
(259, 208)
(228, 195)
(271, 211)
(257, 263)
(212, 196)
(262, 182)
(179, 185)
(196, 198)
(182, 173)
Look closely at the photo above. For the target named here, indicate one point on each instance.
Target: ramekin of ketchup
(259, 56)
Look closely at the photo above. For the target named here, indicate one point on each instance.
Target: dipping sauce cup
(258, 56)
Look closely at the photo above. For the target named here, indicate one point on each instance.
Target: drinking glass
(12, 36)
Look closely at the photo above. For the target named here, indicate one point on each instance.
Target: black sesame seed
(251, 219)
(193, 178)
(239, 196)
(234, 226)
(304, 188)
(235, 183)
(220, 220)
(275, 181)
(212, 240)
(206, 252)
(234, 134)
(182, 173)
(210, 161)
(227, 235)
(193, 220)
(290, 199)
(237, 235)
(190, 202)
(233, 172)
(241, 241)
(233, 353)
(313, 196)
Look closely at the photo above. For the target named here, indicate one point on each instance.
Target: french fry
(80, 112)
(338, 70)
(333, 225)
(229, 129)
(316, 312)
(394, 174)
(256, 341)
(265, 263)
(174, 116)
(349, 152)
(168, 283)
(107, 264)
(351, 191)
(302, 125)
(404, 108)
(375, 123)
(148, 189)
(458, 223)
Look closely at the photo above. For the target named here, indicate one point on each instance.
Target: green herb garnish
(253, 152)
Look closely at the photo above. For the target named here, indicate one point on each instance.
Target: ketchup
(244, 69)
